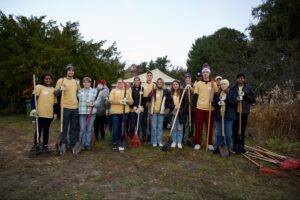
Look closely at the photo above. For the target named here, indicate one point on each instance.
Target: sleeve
(196, 89)
(79, 94)
(250, 96)
(38, 92)
(112, 99)
(58, 84)
(55, 108)
(168, 98)
(231, 99)
(216, 99)
(129, 96)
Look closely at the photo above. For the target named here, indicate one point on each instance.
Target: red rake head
(295, 161)
(269, 172)
(135, 142)
(288, 166)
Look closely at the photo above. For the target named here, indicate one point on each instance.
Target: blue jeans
(177, 132)
(144, 117)
(133, 122)
(157, 128)
(117, 120)
(85, 135)
(70, 117)
(228, 132)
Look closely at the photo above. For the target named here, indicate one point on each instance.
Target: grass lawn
(139, 173)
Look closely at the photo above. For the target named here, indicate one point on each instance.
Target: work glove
(141, 108)
(141, 92)
(63, 87)
(136, 110)
(188, 86)
(221, 103)
(223, 97)
(240, 98)
(33, 113)
(124, 101)
(54, 117)
(167, 110)
(90, 103)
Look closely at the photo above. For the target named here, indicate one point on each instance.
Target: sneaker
(45, 149)
(179, 146)
(210, 147)
(160, 144)
(121, 148)
(197, 147)
(154, 145)
(173, 145)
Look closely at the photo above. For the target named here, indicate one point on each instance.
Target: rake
(136, 142)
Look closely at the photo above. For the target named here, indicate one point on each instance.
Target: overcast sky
(143, 29)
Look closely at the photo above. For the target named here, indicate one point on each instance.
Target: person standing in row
(160, 106)
(204, 112)
(246, 97)
(137, 108)
(101, 115)
(224, 100)
(68, 88)
(148, 88)
(47, 109)
(120, 99)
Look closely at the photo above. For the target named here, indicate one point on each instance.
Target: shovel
(123, 142)
(61, 148)
(136, 142)
(167, 145)
(38, 148)
(238, 148)
(223, 148)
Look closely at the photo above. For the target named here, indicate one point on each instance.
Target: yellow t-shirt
(45, 101)
(115, 96)
(69, 99)
(205, 93)
(148, 87)
(158, 100)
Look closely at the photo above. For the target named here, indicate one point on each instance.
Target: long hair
(178, 92)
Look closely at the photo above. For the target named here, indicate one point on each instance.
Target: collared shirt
(85, 96)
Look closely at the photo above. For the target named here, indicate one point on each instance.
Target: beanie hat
(240, 74)
(69, 66)
(224, 81)
(218, 77)
(102, 82)
(206, 68)
(187, 75)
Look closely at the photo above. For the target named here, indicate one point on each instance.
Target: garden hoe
(38, 147)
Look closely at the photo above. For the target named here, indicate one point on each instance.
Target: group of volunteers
(143, 108)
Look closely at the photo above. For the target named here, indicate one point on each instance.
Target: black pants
(235, 130)
(44, 125)
(187, 126)
(99, 123)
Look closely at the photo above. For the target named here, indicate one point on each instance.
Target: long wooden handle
(61, 111)
(175, 118)
(258, 165)
(223, 119)
(36, 108)
(138, 118)
(209, 115)
(190, 117)
(240, 118)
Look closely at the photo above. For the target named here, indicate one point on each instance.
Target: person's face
(240, 80)
(120, 84)
(149, 77)
(175, 86)
(160, 84)
(70, 72)
(137, 82)
(188, 80)
(205, 75)
(218, 81)
(224, 86)
(86, 84)
(47, 80)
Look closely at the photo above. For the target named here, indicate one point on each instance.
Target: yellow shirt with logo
(115, 96)
(148, 87)
(69, 99)
(205, 91)
(45, 101)
(158, 100)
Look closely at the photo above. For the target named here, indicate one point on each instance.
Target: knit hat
(187, 75)
(218, 77)
(87, 79)
(102, 82)
(224, 81)
(69, 66)
(205, 68)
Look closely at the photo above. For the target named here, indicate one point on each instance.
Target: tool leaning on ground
(79, 146)
(223, 148)
(190, 140)
(239, 146)
(38, 147)
(209, 114)
(136, 142)
(123, 143)
(61, 147)
(167, 145)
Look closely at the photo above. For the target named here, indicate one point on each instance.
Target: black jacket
(248, 99)
(183, 107)
(136, 97)
(231, 104)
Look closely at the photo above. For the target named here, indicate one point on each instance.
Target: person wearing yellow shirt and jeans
(160, 105)
(120, 98)
(69, 87)
(46, 110)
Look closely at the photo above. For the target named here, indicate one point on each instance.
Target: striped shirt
(85, 96)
